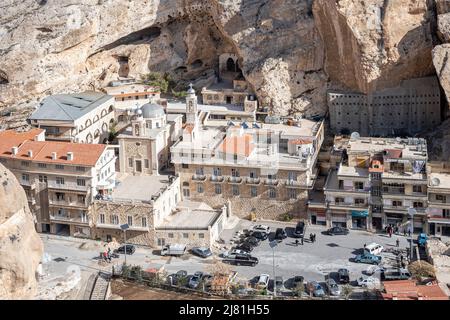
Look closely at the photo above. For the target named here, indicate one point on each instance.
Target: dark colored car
(337, 231)
(259, 235)
(175, 278)
(201, 252)
(299, 229)
(245, 246)
(280, 234)
(130, 249)
(367, 258)
(244, 260)
(195, 280)
(344, 275)
(252, 240)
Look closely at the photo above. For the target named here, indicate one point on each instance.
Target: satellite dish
(398, 139)
(435, 182)
(355, 136)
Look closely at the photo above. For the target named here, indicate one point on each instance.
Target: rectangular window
(359, 185)
(59, 167)
(25, 177)
(81, 182)
(59, 180)
(396, 203)
(235, 190)
(146, 163)
(185, 235)
(272, 176)
(130, 220)
(446, 213)
(253, 191)
(59, 196)
(339, 200)
(417, 188)
(81, 198)
(144, 222)
(102, 218)
(42, 178)
(440, 197)
(42, 165)
(114, 219)
(170, 235)
(25, 164)
(130, 162)
(200, 188)
(185, 166)
(292, 176)
(292, 193)
(201, 235)
(253, 174)
(359, 201)
(81, 169)
(235, 157)
(218, 188)
(418, 204)
(272, 193)
(199, 171)
(235, 172)
(217, 171)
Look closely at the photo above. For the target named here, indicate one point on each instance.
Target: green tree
(157, 79)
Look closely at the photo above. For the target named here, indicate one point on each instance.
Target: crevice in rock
(3, 77)
(44, 29)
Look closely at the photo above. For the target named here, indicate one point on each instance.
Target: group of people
(394, 229)
(312, 238)
(106, 255)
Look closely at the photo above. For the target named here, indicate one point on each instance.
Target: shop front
(359, 219)
(339, 219)
(318, 216)
(394, 219)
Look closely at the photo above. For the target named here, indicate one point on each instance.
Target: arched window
(88, 123)
(111, 109)
(96, 134)
(231, 66)
(136, 130)
(89, 138)
(104, 112)
(185, 184)
(104, 127)
(96, 118)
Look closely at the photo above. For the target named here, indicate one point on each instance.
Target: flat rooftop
(180, 107)
(353, 172)
(139, 188)
(442, 182)
(412, 148)
(186, 218)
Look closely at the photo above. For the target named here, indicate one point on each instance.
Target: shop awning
(360, 213)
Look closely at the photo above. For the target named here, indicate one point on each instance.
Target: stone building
(439, 199)
(375, 184)
(83, 117)
(412, 107)
(145, 144)
(60, 179)
(265, 168)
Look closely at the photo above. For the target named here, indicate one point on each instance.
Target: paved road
(312, 260)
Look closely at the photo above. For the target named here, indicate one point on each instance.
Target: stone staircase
(101, 288)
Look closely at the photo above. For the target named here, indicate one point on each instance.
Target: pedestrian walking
(296, 242)
(409, 232)
(397, 243)
(311, 237)
(365, 246)
(404, 232)
(314, 237)
(302, 240)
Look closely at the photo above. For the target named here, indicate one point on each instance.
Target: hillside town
(215, 177)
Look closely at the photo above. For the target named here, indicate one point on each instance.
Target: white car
(374, 269)
(263, 281)
(369, 282)
(234, 252)
(262, 228)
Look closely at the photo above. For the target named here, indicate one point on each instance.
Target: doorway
(62, 229)
(229, 99)
(138, 165)
(314, 219)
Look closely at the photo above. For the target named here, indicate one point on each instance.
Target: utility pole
(411, 212)
(124, 227)
(273, 244)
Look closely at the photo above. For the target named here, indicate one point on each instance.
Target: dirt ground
(130, 291)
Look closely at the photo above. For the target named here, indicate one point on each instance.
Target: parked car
(252, 240)
(261, 227)
(173, 250)
(374, 269)
(332, 287)
(373, 248)
(201, 252)
(239, 259)
(175, 278)
(315, 289)
(129, 248)
(245, 246)
(234, 251)
(195, 280)
(299, 229)
(337, 231)
(279, 283)
(368, 258)
(280, 234)
(368, 282)
(344, 275)
(263, 281)
(260, 235)
(395, 274)
(298, 279)
(207, 278)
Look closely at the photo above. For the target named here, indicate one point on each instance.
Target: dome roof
(152, 110)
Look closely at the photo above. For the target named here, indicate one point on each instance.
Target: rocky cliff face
(291, 52)
(21, 248)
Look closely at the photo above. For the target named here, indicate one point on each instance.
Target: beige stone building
(265, 168)
(60, 179)
(438, 210)
(144, 146)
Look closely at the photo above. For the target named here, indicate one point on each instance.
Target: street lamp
(411, 212)
(124, 227)
(273, 244)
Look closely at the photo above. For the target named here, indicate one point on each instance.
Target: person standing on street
(302, 240)
(397, 243)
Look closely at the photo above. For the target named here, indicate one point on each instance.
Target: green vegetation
(419, 269)
(179, 94)
(156, 79)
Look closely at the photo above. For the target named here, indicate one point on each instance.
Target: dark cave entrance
(124, 68)
(231, 66)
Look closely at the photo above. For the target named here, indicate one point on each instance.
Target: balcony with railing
(199, 177)
(254, 181)
(271, 182)
(68, 185)
(69, 219)
(294, 183)
(235, 180)
(67, 203)
(349, 204)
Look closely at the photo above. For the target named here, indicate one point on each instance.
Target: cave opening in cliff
(124, 68)
(231, 66)
(3, 77)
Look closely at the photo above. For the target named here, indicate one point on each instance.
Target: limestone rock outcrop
(21, 248)
(291, 52)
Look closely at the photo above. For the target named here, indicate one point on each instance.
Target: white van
(373, 248)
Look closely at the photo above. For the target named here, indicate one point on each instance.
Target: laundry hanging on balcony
(418, 166)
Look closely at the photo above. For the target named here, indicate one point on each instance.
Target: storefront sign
(360, 213)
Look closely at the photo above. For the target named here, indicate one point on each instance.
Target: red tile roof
(239, 145)
(300, 141)
(409, 290)
(393, 153)
(83, 154)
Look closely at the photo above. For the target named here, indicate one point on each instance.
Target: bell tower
(191, 106)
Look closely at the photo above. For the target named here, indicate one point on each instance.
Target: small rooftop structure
(140, 188)
(152, 110)
(409, 290)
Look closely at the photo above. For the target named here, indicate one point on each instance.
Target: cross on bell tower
(191, 106)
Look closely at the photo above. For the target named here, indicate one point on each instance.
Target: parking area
(313, 261)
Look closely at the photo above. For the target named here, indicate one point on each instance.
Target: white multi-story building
(83, 117)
